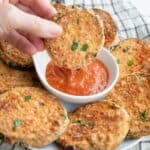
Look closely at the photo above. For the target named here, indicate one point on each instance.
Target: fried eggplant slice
(31, 116)
(96, 126)
(132, 92)
(81, 40)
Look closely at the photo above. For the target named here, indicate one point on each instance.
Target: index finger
(42, 8)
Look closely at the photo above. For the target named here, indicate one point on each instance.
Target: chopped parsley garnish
(130, 62)
(78, 21)
(75, 45)
(80, 122)
(84, 47)
(144, 116)
(91, 123)
(83, 123)
(17, 123)
(27, 98)
(118, 60)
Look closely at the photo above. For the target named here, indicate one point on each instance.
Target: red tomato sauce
(86, 81)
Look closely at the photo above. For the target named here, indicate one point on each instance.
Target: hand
(23, 23)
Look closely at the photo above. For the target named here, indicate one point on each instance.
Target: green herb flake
(84, 47)
(144, 116)
(27, 98)
(75, 45)
(83, 123)
(78, 21)
(118, 60)
(17, 123)
(91, 123)
(80, 122)
(130, 62)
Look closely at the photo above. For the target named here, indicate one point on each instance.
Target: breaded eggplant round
(31, 116)
(133, 93)
(10, 78)
(81, 40)
(14, 57)
(133, 55)
(96, 126)
(110, 28)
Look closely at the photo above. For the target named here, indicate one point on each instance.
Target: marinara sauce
(86, 81)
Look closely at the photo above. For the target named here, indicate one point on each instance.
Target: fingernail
(52, 12)
(58, 30)
(54, 30)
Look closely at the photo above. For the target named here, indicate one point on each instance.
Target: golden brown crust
(133, 93)
(32, 116)
(81, 40)
(96, 126)
(10, 78)
(133, 56)
(110, 28)
(14, 57)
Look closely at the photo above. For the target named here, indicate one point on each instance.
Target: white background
(142, 5)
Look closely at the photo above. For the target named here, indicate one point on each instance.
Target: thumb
(33, 24)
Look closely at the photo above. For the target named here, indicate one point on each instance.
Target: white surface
(142, 5)
(41, 59)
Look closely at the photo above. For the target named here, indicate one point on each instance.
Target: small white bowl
(41, 59)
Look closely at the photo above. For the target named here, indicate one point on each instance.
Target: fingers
(24, 8)
(37, 42)
(40, 7)
(33, 24)
(16, 19)
(20, 42)
(13, 1)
